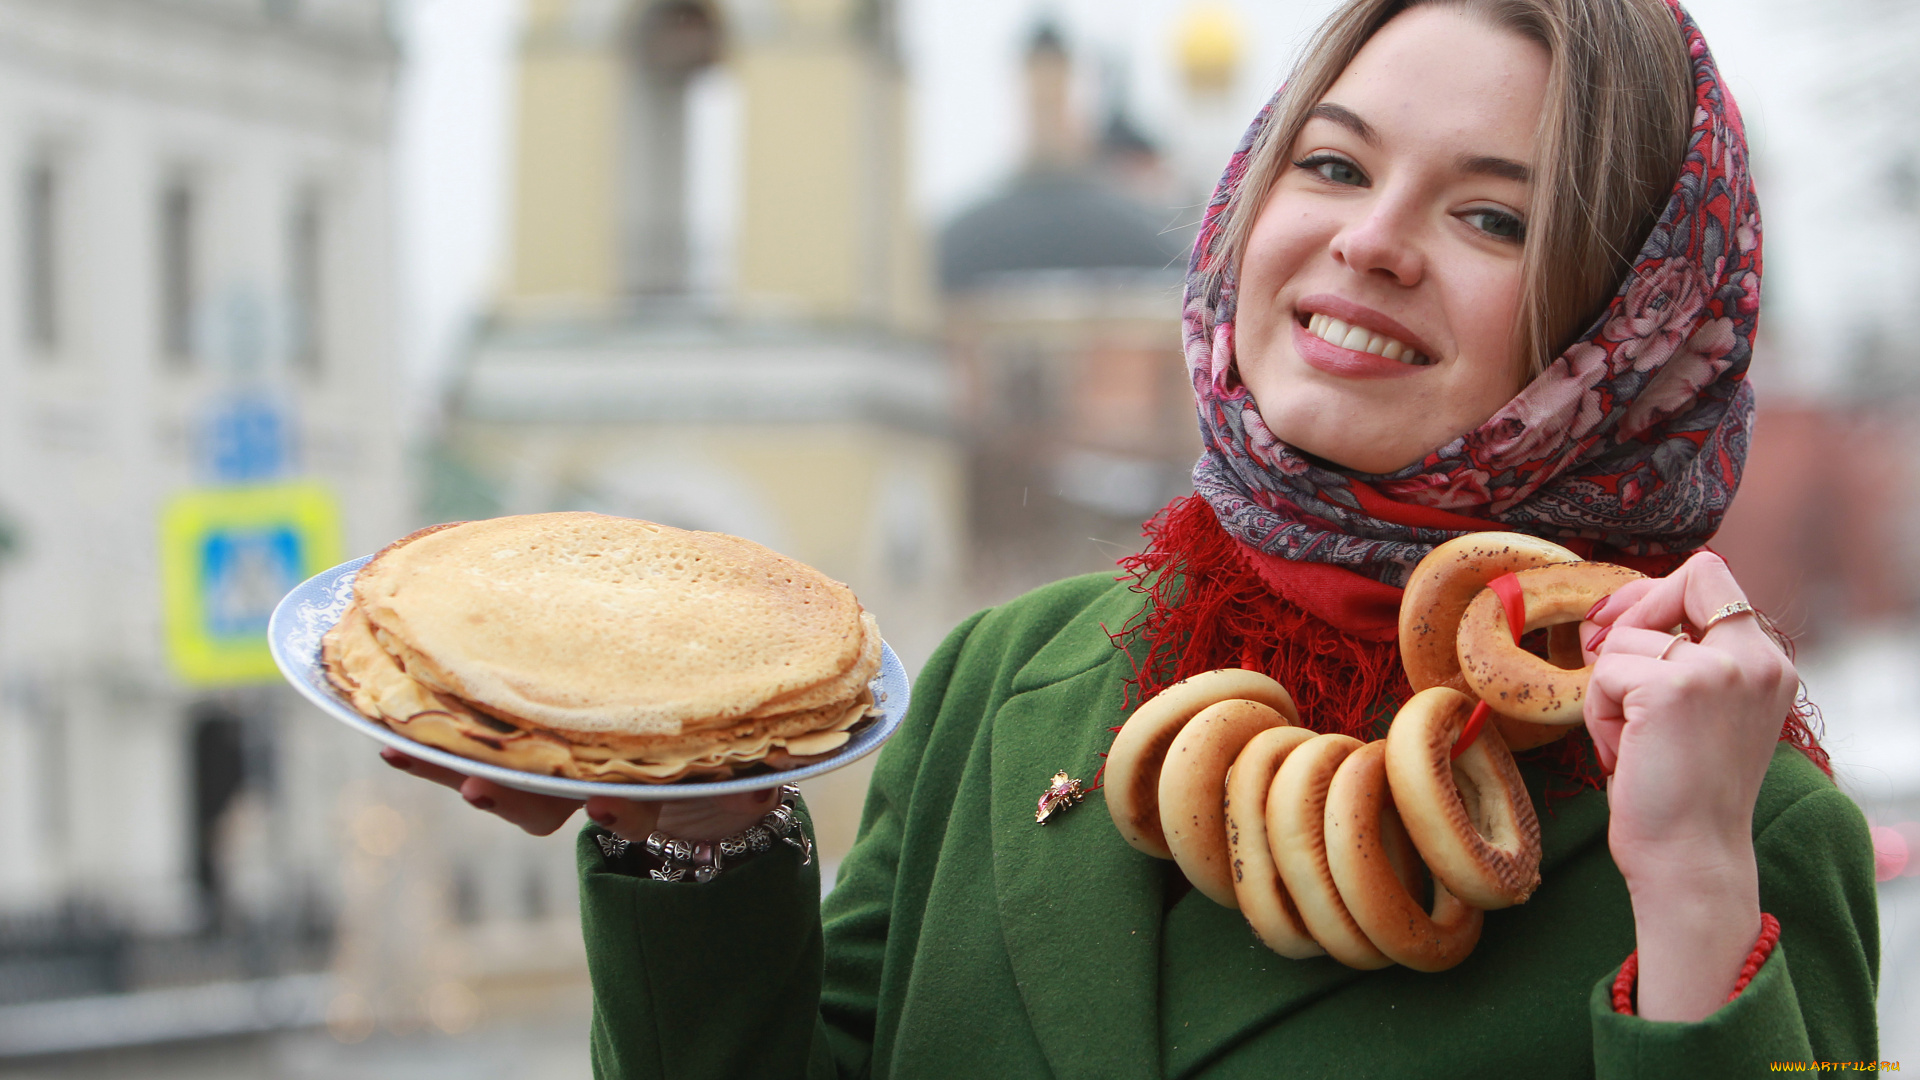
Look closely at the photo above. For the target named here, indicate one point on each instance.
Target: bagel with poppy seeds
(1263, 898)
(1469, 815)
(1436, 597)
(1513, 681)
(1132, 777)
(1378, 872)
(1193, 784)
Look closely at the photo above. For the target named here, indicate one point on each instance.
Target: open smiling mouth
(1347, 336)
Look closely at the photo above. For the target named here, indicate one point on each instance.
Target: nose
(1382, 240)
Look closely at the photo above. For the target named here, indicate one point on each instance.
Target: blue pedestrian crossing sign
(227, 556)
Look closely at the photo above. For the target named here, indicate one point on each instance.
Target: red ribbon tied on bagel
(1514, 601)
(1471, 729)
(1507, 588)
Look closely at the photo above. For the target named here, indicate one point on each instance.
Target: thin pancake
(590, 623)
(381, 689)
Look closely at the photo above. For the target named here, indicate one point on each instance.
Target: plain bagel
(1132, 777)
(1513, 681)
(1470, 815)
(1437, 596)
(1263, 898)
(1377, 870)
(1296, 832)
(1193, 782)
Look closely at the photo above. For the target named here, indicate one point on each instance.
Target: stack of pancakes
(604, 648)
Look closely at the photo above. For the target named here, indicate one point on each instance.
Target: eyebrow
(1501, 167)
(1472, 164)
(1346, 118)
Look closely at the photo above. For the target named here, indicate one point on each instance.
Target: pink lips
(1352, 363)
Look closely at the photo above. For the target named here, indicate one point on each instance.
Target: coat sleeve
(1813, 1000)
(734, 977)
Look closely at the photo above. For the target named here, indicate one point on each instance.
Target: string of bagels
(1327, 844)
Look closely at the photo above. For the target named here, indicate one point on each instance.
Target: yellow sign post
(227, 556)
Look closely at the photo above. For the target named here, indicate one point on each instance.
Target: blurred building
(1062, 317)
(196, 362)
(717, 313)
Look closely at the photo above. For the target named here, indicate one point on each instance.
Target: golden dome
(1209, 44)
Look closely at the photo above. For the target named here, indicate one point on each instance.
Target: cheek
(1486, 304)
(1283, 241)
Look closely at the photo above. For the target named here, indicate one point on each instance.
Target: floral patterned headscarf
(1631, 441)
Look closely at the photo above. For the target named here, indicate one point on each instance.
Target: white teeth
(1347, 336)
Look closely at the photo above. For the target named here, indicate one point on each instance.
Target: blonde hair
(1612, 137)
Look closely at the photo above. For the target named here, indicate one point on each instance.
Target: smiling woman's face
(1381, 281)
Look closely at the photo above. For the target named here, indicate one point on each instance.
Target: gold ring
(1671, 642)
(1728, 611)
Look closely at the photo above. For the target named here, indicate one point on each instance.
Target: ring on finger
(1727, 611)
(1671, 642)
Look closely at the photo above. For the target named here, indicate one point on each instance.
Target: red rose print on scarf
(1657, 314)
(1698, 363)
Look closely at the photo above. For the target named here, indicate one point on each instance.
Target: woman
(1415, 311)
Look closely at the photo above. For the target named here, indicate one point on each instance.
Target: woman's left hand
(1687, 730)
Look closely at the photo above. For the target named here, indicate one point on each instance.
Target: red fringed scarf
(1327, 634)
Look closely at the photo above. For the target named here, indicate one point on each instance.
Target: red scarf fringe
(1207, 608)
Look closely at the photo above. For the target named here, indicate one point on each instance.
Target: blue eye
(1334, 169)
(1496, 223)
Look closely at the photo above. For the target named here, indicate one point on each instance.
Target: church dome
(1209, 43)
(1056, 221)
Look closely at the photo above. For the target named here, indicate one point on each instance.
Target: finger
(1632, 641)
(1689, 595)
(625, 818)
(425, 770)
(1615, 675)
(1606, 742)
(1610, 606)
(536, 814)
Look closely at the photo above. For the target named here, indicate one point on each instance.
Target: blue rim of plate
(304, 616)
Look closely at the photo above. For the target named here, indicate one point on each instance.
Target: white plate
(304, 615)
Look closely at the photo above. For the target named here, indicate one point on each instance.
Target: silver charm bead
(759, 837)
(612, 846)
(780, 819)
(734, 846)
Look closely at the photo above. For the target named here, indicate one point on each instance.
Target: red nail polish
(481, 802)
(1597, 605)
(1594, 645)
(396, 759)
(603, 818)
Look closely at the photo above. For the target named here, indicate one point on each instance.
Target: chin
(1318, 433)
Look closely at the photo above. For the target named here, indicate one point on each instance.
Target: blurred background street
(891, 286)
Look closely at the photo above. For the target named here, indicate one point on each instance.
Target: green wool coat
(963, 940)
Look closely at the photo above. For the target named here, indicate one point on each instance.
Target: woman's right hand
(629, 819)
